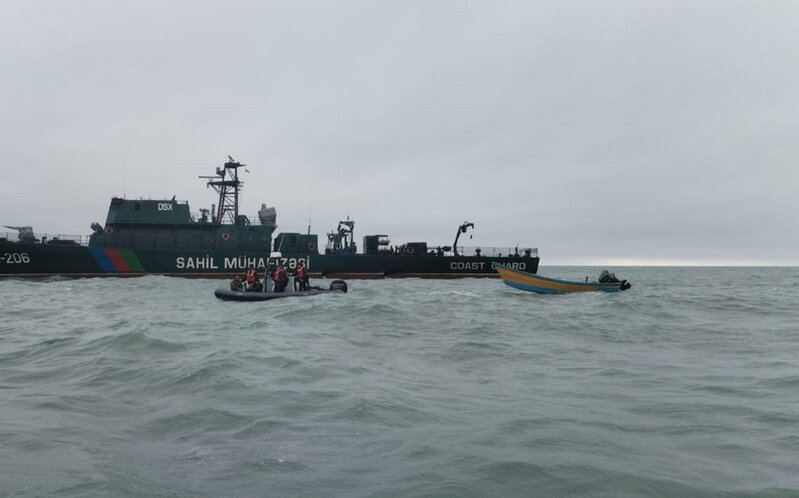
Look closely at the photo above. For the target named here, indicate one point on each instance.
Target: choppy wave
(685, 385)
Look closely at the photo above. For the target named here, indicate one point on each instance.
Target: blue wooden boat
(530, 282)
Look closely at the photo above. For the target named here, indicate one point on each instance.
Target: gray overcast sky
(601, 132)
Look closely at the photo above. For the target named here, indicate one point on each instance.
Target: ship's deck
(83, 240)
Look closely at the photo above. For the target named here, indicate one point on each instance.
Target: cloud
(612, 131)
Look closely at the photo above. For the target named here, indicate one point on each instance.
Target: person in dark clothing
(257, 286)
(236, 284)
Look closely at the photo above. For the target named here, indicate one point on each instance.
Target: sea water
(685, 385)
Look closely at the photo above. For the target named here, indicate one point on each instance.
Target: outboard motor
(338, 285)
(607, 277)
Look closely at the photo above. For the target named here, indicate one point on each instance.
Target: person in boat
(257, 286)
(250, 277)
(253, 284)
(236, 284)
(302, 276)
(281, 279)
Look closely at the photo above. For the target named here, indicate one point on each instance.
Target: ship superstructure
(168, 224)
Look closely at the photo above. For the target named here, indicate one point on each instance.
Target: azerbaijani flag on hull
(113, 260)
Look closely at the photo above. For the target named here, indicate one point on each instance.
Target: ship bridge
(151, 212)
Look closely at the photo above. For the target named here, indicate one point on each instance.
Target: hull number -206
(15, 258)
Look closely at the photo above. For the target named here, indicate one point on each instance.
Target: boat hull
(229, 295)
(19, 259)
(545, 285)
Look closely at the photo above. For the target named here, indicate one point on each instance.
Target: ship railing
(254, 220)
(124, 240)
(495, 252)
(64, 239)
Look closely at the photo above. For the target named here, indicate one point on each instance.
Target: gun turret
(25, 233)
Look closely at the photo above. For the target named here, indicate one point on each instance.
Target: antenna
(309, 208)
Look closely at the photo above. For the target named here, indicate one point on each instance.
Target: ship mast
(226, 183)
